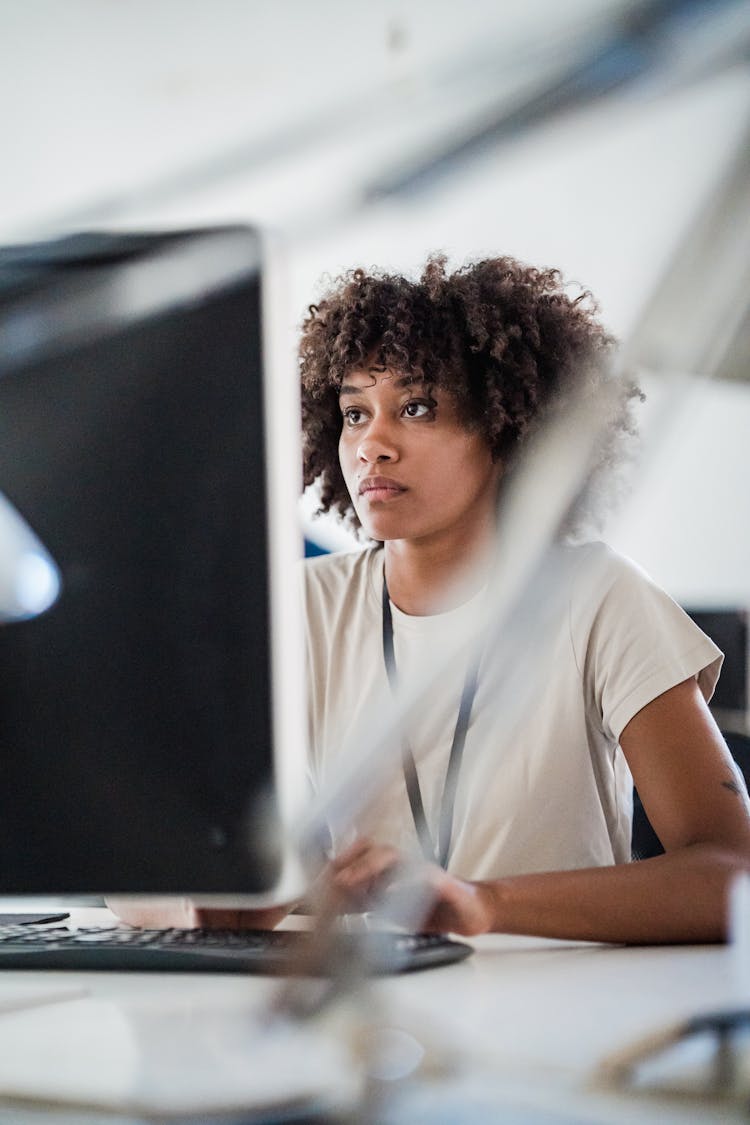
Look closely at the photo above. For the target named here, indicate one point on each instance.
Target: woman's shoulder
(635, 640)
(609, 591)
(342, 573)
(613, 596)
(598, 569)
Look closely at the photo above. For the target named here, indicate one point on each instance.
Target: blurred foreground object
(29, 578)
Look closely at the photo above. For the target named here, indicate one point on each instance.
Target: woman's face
(413, 469)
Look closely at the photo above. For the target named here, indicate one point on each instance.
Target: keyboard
(275, 952)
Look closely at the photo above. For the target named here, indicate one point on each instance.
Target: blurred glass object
(29, 578)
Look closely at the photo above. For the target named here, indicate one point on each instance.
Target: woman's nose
(377, 444)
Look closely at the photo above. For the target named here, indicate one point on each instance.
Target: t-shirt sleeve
(640, 643)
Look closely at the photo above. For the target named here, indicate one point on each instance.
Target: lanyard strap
(431, 852)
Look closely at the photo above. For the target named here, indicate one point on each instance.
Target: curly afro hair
(504, 338)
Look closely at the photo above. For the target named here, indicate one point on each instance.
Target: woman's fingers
(183, 913)
(417, 895)
(361, 871)
(372, 864)
(265, 919)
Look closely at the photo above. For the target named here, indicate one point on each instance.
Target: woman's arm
(182, 913)
(698, 805)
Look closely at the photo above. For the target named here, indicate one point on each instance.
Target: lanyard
(432, 852)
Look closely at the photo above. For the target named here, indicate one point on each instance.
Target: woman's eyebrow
(402, 381)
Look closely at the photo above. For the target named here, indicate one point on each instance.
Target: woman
(417, 398)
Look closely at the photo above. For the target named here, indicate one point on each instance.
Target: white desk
(514, 1034)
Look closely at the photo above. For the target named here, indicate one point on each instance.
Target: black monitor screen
(135, 721)
(728, 628)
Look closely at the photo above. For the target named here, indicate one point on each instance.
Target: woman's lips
(380, 488)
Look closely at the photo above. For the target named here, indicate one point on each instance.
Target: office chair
(645, 842)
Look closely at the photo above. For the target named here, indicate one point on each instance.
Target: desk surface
(514, 1033)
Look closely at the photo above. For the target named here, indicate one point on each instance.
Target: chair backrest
(645, 842)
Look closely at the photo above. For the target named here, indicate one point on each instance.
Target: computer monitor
(151, 719)
(729, 629)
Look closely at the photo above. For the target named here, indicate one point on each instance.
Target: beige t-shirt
(543, 784)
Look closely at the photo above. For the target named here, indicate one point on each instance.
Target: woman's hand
(182, 913)
(419, 895)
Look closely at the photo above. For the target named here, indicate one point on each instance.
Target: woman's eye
(417, 409)
(352, 416)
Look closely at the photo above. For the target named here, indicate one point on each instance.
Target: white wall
(686, 519)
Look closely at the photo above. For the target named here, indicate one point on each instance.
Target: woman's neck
(428, 578)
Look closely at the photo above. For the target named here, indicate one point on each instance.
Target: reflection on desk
(516, 1033)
